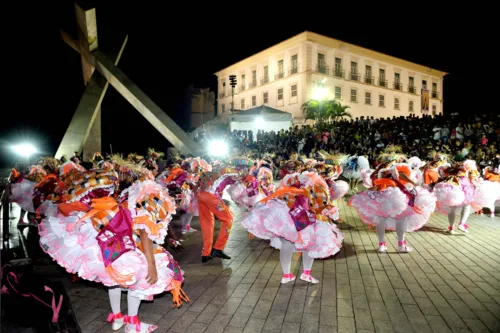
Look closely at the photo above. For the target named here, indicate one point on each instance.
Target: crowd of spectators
(473, 136)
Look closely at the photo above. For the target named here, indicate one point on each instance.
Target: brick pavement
(447, 284)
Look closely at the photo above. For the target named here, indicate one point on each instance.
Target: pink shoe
(117, 320)
(134, 325)
(382, 247)
(287, 278)
(402, 247)
(463, 227)
(306, 276)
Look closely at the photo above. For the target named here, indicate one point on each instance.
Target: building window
(434, 108)
(354, 95)
(381, 77)
(424, 84)
(243, 80)
(396, 103)
(354, 71)
(381, 100)
(254, 78)
(321, 63)
(242, 105)
(265, 98)
(368, 74)
(295, 64)
(293, 91)
(254, 100)
(280, 94)
(397, 81)
(434, 86)
(410, 106)
(338, 67)
(338, 93)
(411, 85)
(368, 98)
(280, 69)
(265, 79)
(222, 108)
(224, 83)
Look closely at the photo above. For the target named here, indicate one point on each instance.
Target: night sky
(202, 39)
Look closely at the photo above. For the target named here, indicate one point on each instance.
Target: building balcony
(252, 84)
(382, 82)
(369, 79)
(398, 86)
(222, 94)
(279, 75)
(434, 94)
(322, 68)
(354, 76)
(264, 79)
(339, 72)
(241, 87)
(293, 70)
(412, 89)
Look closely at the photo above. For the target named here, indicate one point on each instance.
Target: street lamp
(259, 122)
(24, 150)
(319, 93)
(218, 148)
(232, 82)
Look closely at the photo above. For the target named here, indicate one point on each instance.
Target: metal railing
(264, 79)
(434, 94)
(252, 84)
(398, 86)
(339, 72)
(322, 68)
(293, 70)
(382, 82)
(354, 76)
(241, 87)
(279, 75)
(412, 89)
(369, 79)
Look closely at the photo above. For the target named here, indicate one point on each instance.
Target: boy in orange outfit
(210, 205)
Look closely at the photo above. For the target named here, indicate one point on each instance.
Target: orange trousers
(209, 207)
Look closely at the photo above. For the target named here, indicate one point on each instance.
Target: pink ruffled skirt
(22, 194)
(272, 221)
(391, 206)
(79, 253)
(449, 195)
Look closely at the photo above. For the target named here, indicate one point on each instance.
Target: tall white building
(287, 75)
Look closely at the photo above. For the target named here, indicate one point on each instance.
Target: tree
(336, 110)
(311, 110)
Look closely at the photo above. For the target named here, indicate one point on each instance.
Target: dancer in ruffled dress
(116, 242)
(352, 170)
(210, 205)
(394, 202)
(415, 164)
(298, 218)
(487, 191)
(455, 193)
(435, 170)
(330, 170)
(22, 188)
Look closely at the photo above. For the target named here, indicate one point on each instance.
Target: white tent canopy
(260, 118)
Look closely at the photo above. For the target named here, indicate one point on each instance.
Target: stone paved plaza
(447, 284)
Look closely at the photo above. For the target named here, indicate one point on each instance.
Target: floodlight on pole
(259, 122)
(319, 93)
(218, 148)
(232, 83)
(24, 149)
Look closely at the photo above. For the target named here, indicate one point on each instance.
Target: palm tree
(336, 110)
(312, 110)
